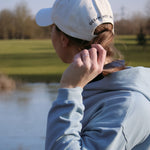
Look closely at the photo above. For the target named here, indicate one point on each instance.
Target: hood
(132, 78)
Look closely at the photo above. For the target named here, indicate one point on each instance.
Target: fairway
(36, 60)
(134, 54)
(30, 60)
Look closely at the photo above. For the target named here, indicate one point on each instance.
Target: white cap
(77, 18)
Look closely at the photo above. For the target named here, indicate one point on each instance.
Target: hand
(85, 67)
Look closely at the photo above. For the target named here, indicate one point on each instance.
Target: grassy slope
(33, 60)
(135, 55)
(36, 61)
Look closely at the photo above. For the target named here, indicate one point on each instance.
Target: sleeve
(64, 121)
(65, 131)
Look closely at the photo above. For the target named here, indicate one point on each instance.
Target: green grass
(134, 54)
(36, 60)
(30, 60)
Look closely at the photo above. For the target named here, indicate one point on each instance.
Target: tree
(148, 26)
(141, 37)
(130, 26)
(7, 30)
(17, 24)
(23, 21)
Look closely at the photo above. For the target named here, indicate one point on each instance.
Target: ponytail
(105, 37)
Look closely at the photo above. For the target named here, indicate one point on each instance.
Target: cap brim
(43, 17)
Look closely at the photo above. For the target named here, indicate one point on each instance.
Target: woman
(101, 103)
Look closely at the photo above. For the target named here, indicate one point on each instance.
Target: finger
(85, 57)
(101, 52)
(78, 60)
(93, 55)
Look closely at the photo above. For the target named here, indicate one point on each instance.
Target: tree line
(133, 25)
(20, 24)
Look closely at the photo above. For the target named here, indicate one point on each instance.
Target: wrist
(63, 85)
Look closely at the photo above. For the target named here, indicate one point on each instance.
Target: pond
(23, 116)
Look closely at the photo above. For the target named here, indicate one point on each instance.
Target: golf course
(36, 60)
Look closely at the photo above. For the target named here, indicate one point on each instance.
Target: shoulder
(120, 106)
(109, 108)
(106, 119)
(118, 117)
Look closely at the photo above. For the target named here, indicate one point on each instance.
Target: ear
(64, 40)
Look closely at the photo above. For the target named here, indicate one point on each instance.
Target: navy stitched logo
(98, 18)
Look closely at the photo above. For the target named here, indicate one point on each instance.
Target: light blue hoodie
(109, 114)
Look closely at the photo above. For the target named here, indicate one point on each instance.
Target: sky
(121, 8)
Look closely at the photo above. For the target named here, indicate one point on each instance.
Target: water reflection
(23, 116)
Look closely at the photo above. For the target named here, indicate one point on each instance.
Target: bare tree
(7, 30)
(131, 25)
(16, 24)
(23, 20)
(139, 21)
